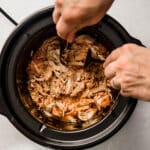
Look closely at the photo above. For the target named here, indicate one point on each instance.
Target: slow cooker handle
(3, 108)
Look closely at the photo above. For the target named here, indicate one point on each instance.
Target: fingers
(110, 70)
(112, 57)
(57, 11)
(115, 83)
(66, 28)
(56, 15)
(65, 31)
(61, 28)
(126, 71)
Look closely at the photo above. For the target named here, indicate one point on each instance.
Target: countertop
(135, 17)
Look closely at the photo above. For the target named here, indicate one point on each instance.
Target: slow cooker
(28, 36)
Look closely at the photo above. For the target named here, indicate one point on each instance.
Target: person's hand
(128, 69)
(72, 15)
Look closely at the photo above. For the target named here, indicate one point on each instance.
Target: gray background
(134, 15)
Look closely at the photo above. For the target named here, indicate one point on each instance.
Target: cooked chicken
(70, 93)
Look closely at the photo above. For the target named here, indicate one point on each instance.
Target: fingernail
(70, 37)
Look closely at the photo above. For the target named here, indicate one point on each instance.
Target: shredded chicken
(69, 93)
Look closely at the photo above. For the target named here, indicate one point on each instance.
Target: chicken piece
(98, 53)
(88, 114)
(45, 76)
(94, 91)
(57, 112)
(69, 118)
(69, 86)
(103, 102)
(79, 88)
(48, 114)
(70, 127)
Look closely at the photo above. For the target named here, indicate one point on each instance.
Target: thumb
(65, 30)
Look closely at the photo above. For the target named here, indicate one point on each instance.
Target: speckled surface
(135, 17)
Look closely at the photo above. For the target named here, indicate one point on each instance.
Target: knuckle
(125, 80)
(127, 90)
(128, 47)
(121, 65)
(67, 17)
(70, 17)
(124, 93)
(58, 2)
(55, 16)
(115, 51)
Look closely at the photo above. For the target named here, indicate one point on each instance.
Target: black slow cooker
(28, 36)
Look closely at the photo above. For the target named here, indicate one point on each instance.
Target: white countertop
(134, 15)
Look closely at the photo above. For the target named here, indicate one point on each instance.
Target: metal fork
(89, 58)
(63, 47)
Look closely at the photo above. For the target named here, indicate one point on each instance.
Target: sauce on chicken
(74, 95)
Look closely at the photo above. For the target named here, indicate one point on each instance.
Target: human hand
(128, 69)
(72, 15)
